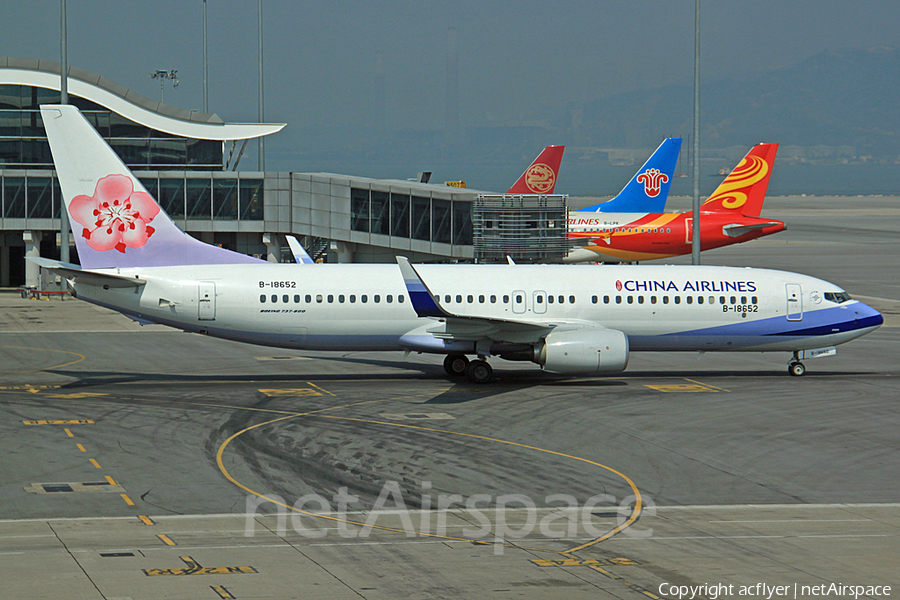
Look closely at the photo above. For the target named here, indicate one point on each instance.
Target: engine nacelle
(584, 350)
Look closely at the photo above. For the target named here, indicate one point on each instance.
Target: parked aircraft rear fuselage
(649, 236)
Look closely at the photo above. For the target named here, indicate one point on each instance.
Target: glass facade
(381, 206)
(416, 217)
(359, 210)
(225, 199)
(251, 199)
(23, 144)
(13, 197)
(31, 197)
(213, 197)
(400, 215)
(219, 198)
(198, 193)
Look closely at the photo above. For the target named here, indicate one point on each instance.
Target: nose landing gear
(796, 368)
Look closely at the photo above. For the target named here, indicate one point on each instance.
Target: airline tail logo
(618, 286)
(540, 178)
(652, 180)
(751, 170)
(116, 216)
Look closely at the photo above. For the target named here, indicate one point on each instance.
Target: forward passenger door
(794, 302)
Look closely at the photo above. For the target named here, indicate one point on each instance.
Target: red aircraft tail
(744, 190)
(540, 177)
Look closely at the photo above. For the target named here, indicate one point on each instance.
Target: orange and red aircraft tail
(540, 177)
(744, 190)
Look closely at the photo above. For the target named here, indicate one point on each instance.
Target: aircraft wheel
(796, 369)
(478, 371)
(455, 364)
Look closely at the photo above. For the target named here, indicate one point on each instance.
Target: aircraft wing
(73, 271)
(456, 327)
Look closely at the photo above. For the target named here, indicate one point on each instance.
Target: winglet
(421, 297)
(540, 177)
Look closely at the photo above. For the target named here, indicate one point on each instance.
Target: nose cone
(866, 316)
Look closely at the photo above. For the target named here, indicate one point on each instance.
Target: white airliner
(568, 319)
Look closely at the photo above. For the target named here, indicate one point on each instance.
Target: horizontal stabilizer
(736, 230)
(75, 272)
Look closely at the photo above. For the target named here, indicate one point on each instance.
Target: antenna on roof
(162, 75)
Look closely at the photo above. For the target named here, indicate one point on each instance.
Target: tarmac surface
(145, 463)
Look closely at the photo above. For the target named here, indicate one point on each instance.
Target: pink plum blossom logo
(116, 216)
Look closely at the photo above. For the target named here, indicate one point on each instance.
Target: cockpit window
(837, 297)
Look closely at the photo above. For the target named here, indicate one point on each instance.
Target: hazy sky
(515, 58)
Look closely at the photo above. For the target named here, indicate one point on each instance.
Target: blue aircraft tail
(649, 188)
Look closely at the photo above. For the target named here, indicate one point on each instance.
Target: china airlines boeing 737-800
(568, 319)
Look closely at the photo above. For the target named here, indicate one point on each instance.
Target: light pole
(695, 230)
(63, 99)
(162, 75)
(262, 148)
(205, 64)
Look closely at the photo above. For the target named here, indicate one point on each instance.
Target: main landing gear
(455, 364)
(479, 371)
(476, 371)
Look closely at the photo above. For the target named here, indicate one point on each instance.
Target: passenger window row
(330, 298)
(677, 299)
(492, 299)
(635, 229)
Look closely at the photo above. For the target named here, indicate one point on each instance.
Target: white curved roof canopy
(129, 104)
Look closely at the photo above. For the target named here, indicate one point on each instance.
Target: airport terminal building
(188, 161)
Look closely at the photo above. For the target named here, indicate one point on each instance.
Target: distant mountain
(835, 98)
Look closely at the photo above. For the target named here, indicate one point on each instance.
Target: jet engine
(583, 350)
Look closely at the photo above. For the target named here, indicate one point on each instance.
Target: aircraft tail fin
(301, 256)
(540, 177)
(115, 222)
(744, 189)
(648, 190)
